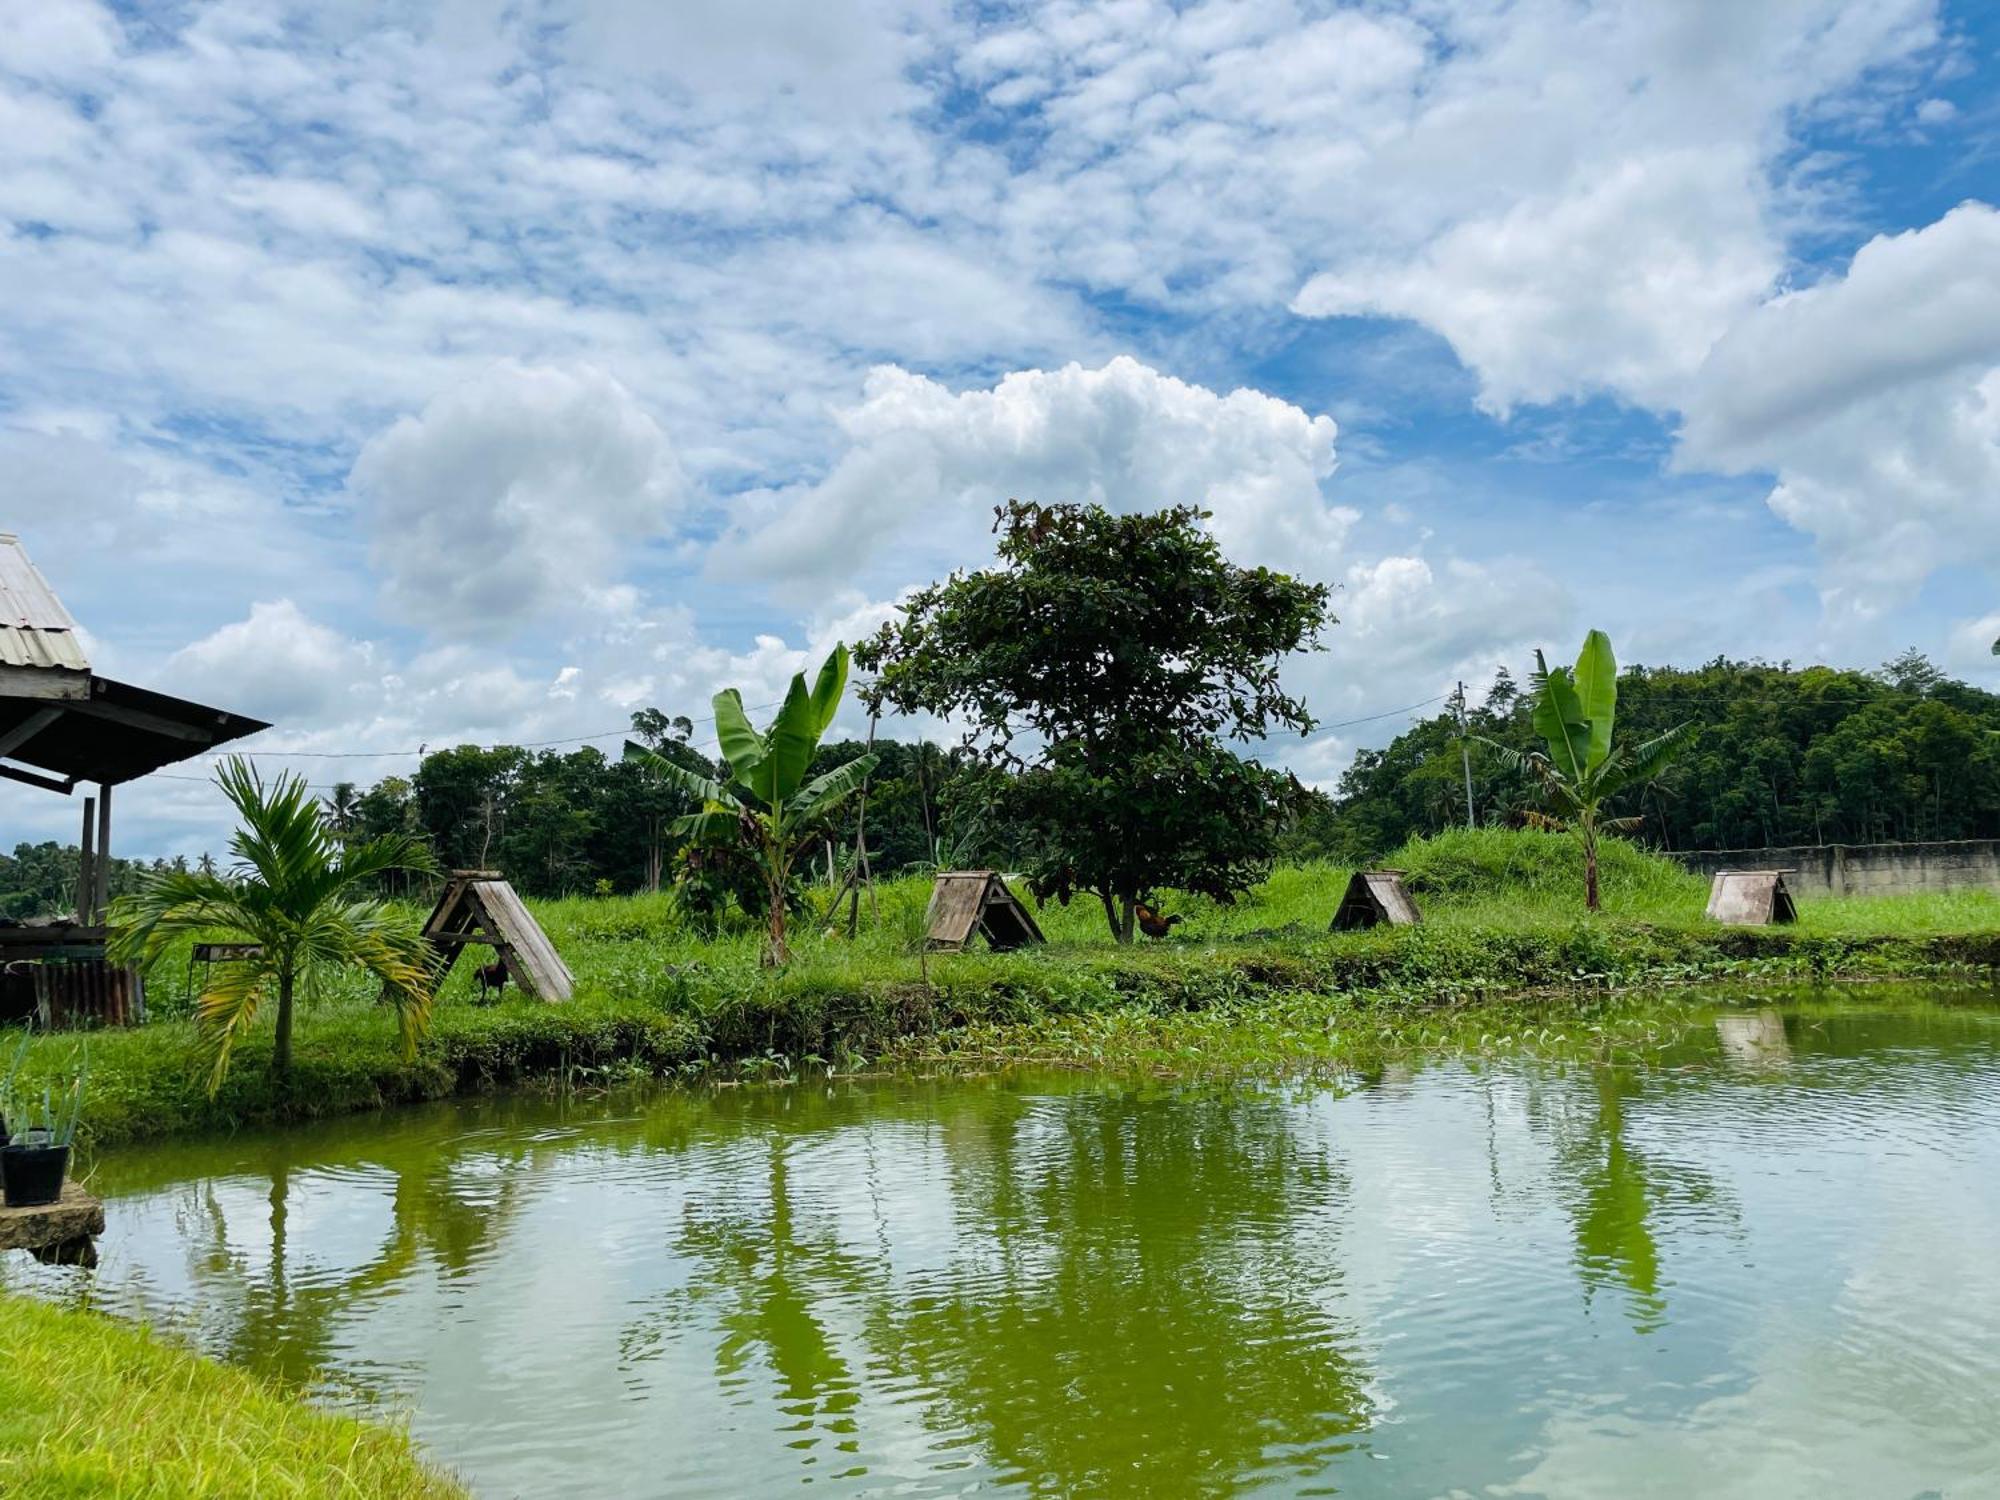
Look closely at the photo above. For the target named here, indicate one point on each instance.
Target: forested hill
(1778, 756)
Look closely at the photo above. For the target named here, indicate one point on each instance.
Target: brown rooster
(1152, 923)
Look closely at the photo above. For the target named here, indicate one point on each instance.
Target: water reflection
(1444, 1280)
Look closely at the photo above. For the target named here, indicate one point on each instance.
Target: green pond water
(1760, 1263)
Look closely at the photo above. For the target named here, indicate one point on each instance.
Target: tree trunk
(1110, 915)
(281, 1053)
(1126, 915)
(1590, 899)
(777, 865)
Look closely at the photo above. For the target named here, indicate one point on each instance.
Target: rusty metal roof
(35, 629)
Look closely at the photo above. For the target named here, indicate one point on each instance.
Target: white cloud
(276, 665)
(1580, 290)
(514, 497)
(1875, 399)
(926, 465)
(1408, 631)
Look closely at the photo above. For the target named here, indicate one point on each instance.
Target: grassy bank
(90, 1406)
(1501, 916)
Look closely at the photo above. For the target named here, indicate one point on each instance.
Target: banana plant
(765, 806)
(1575, 709)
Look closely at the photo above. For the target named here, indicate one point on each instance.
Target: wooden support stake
(102, 903)
(86, 877)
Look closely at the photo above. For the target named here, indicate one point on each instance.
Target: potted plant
(34, 1163)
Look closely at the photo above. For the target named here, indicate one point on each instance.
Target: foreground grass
(1501, 917)
(93, 1407)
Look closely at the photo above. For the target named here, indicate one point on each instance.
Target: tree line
(1776, 755)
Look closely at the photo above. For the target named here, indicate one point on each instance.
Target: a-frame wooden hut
(964, 902)
(1375, 896)
(1751, 898)
(478, 906)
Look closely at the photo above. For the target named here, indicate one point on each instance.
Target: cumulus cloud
(1875, 399)
(925, 465)
(278, 665)
(1577, 291)
(513, 497)
(1409, 629)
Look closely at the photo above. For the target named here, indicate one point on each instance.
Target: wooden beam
(86, 877)
(103, 895)
(138, 718)
(36, 778)
(27, 729)
(51, 683)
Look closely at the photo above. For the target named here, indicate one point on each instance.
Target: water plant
(293, 898)
(766, 809)
(1575, 709)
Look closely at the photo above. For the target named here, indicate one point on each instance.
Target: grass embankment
(1502, 915)
(91, 1406)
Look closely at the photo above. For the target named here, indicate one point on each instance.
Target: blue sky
(484, 370)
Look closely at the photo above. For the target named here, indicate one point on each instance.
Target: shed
(479, 906)
(1751, 898)
(62, 724)
(967, 901)
(1375, 896)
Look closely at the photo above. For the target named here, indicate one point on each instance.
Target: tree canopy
(1776, 756)
(1097, 669)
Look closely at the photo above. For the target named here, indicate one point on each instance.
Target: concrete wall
(1865, 869)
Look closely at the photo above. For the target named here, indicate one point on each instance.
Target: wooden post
(103, 900)
(86, 877)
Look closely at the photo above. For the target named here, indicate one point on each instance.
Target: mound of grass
(1501, 864)
(90, 1406)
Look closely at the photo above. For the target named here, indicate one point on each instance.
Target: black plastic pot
(32, 1175)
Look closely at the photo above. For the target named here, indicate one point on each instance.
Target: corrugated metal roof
(35, 629)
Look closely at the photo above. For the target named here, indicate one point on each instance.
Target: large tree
(1099, 667)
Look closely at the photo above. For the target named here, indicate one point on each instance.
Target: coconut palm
(298, 894)
(1574, 710)
(766, 808)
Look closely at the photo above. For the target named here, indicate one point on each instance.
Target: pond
(1758, 1263)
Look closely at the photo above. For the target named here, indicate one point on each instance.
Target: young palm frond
(296, 893)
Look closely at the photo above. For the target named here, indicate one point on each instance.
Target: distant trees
(1100, 666)
(1776, 756)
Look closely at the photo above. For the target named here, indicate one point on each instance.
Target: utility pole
(1464, 755)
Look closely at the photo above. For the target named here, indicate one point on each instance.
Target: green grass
(93, 1407)
(1502, 915)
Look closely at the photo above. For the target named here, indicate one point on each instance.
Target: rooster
(1152, 923)
(492, 977)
